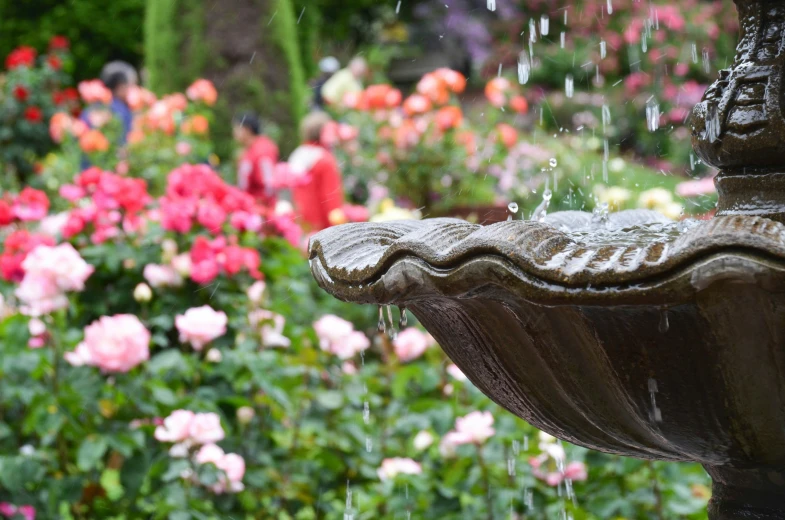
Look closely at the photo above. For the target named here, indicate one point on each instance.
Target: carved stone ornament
(629, 335)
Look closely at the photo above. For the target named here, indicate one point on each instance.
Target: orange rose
(197, 124)
(434, 88)
(454, 80)
(416, 104)
(202, 90)
(519, 104)
(468, 140)
(496, 91)
(448, 117)
(93, 141)
(58, 125)
(507, 134)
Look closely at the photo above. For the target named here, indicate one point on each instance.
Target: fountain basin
(666, 344)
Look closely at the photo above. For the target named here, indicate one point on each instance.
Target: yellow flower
(655, 198)
(672, 210)
(615, 196)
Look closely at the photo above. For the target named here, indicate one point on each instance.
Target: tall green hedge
(99, 30)
(251, 50)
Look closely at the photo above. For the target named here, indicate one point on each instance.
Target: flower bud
(245, 414)
(169, 250)
(214, 355)
(143, 293)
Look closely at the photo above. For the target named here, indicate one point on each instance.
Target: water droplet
(553, 162)
(610, 7)
(368, 444)
(644, 43)
(569, 85)
(542, 210)
(652, 115)
(603, 50)
(524, 68)
(381, 325)
(532, 31)
(516, 448)
(712, 123)
(694, 52)
(562, 39)
(545, 25)
(366, 412)
(404, 318)
(513, 207)
(391, 332)
(664, 324)
(706, 62)
(491, 5)
(606, 117)
(511, 467)
(528, 498)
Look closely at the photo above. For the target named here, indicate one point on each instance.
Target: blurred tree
(249, 49)
(99, 31)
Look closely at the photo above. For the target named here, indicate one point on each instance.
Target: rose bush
(32, 88)
(230, 386)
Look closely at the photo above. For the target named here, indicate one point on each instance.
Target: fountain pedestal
(643, 339)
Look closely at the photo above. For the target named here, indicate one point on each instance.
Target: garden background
(165, 351)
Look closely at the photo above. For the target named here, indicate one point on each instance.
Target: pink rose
(234, 467)
(331, 328)
(40, 295)
(182, 148)
(256, 291)
(162, 276)
(71, 192)
(176, 427)
(456, 372)
(410, 344)
(576, 471)
(244, 221)
(113, 344)
(391, 468)
(338, 337)
(477, 426)
(351, 345)
(60, 264)
(209, 454)
(200, 325)
(206, 428)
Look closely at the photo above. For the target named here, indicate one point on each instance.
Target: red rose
(6, 213)
(20, 57)
(21, 93)
(54, 62)
(58, 98)
(31, 205)
(34, 114)
(58, 43)
(71, 94)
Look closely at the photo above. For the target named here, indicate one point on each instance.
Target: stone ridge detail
(359, 254)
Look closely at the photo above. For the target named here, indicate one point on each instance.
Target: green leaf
(164, 396)
(331, 399)
(90, 452)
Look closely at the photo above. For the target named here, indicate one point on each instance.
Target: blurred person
(119, 76)
(327, 68)
(314, 177)
(257, 162)
(346, 81)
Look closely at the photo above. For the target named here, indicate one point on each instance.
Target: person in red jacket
(257, 164)
(315, 178)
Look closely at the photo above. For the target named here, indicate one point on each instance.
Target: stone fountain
(625, 334)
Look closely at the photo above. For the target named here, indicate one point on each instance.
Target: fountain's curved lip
(376, 263)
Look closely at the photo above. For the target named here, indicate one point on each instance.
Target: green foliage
(100, 31)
